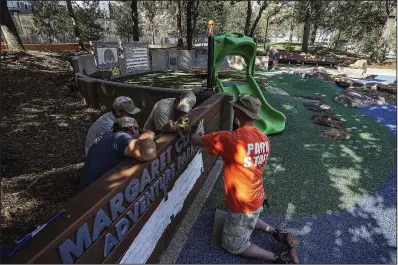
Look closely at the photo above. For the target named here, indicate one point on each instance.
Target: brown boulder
(327, 120)
(334, 134)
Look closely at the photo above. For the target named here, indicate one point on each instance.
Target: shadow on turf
(364, 234)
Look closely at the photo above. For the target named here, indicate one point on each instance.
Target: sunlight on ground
(386, 218)
(351, 153)
(367, 136)
(291, 209)
(345, 180)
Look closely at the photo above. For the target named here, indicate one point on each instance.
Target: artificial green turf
(308, 174)
(179, 79)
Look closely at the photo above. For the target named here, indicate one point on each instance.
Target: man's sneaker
(287, 257)
(285, 238)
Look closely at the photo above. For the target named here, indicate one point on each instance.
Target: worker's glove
(200, 129)
(172, 126)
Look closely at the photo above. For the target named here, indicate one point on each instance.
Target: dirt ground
(43, 130)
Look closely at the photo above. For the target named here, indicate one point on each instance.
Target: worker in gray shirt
(167, 113)
(122, 107)
(273, 57)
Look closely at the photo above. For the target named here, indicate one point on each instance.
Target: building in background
(20, 6)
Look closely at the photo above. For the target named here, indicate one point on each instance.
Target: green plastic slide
(235, 43)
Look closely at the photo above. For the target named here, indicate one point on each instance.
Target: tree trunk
(313, 34)
(192, 14)
(381, 46)
(266, 31)
(291, 32)
(189, 24)
(75, 23)
(195, 17)
(306, 33)
(180, 43)
(260, 12)
(337, 40)
(9, 30)
(248, 17)
(134, 16)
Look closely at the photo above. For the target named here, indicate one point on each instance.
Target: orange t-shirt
(245, 153)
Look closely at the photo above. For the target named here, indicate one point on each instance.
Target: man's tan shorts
(238, 228)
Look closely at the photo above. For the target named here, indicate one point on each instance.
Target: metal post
(210, 56)
(255, 52)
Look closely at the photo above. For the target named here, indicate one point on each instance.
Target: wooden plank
(121, 248)
(94, 254)
(43, 248)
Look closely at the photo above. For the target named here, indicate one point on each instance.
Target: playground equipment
(235, 43)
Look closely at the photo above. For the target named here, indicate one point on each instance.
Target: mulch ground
(43, 130)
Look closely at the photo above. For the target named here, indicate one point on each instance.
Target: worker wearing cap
(166, 113)
(245, 153)
(122, 107)
(273, 57)
(110, 149)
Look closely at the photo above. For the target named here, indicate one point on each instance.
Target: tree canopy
(367, 27)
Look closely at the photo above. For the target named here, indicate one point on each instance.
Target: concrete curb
(173, 250)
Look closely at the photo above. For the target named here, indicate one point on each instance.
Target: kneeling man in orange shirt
(245, 153)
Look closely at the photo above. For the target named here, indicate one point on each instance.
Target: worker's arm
(215, 143)
(141, 149)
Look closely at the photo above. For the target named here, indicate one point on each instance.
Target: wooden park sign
(130, 213)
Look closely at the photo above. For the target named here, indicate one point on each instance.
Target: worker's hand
(179, 131)
(147, 134)
(200, 129)
(185, 129)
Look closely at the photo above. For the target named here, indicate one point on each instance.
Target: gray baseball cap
(187, 101)
(248, 104)
(126, 104)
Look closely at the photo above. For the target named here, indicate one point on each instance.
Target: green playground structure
(235, 43)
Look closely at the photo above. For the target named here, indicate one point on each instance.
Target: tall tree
(134, 16)
(319, 10)
(88, 15)
(180, 43)
(313, 33)
(150, 8)
(210, 10)
(302, 13)
(51, 20)
(75, 22)
(192, 11)
(263, 6)
(251, 28)
(248, 17)
(306, 33)
(380, 48)
(9, 30)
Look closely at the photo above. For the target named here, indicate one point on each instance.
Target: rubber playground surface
(337, 196)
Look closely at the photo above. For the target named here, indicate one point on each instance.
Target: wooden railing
(297, 57)
(47, 47)
(100, 224)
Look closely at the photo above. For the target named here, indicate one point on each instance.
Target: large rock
(355, 99)
(391, 88)
(315, 103)
(334, 134)
(327, 120)
(318, 107)
(274, 90)
(360, 64)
